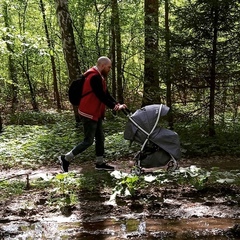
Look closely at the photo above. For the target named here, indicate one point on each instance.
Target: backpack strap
(86, 74)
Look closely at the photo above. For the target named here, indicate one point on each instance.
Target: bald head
(103, 60)
(104, 65)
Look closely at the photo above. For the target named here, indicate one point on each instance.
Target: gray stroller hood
(147, 117)
(142, 128)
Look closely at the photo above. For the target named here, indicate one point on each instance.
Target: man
(92, 110)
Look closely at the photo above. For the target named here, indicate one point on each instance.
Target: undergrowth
(64, 188)
(33, 139)
(30, 140)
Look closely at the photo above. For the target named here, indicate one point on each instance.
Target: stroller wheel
(172, 165)
(136, 170)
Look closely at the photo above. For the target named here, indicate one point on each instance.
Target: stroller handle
(126, 111)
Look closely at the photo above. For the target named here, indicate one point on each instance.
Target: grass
(30, 140)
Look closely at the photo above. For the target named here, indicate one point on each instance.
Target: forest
(184, 54)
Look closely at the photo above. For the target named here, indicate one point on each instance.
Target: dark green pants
(92, 130)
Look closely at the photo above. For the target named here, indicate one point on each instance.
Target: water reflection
(133, 228)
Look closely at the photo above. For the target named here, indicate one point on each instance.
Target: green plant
(129, 184)
(126, 185)
(225, 177)
(10, 188)
(197, 177)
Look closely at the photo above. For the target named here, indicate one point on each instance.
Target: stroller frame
(172, 164)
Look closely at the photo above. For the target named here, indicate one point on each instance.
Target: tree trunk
(25, 61)
(99, 14)
(213, 74)
(51, 50)
(11, 63)
(151, 67)
(68, 42)
(32, 91)
(168, 78)
(113, 51)
(119, 51)
(1, 123)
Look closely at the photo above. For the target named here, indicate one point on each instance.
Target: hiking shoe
(104, 166)
(64, 163)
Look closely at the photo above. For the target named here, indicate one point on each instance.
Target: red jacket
(93, 105)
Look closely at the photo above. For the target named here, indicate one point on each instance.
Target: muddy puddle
(169, 213)
(130, 227)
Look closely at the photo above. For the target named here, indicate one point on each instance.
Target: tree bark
(11, 62)
(68, 43)
(168, 78)
(1, 123)
(213, 73)
(51, 50)
(118, 51)
(151, 67)
(113, 52)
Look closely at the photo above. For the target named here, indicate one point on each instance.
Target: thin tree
(99, 13)
(51, 51)
(1, 123)
(25, 63)
(151, 67)
(118, 50)
(113, 51)
(12, 70)
(212, 82)
(168, 78)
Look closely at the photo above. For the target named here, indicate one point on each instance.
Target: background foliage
(198, 59)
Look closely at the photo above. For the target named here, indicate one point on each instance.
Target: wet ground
(168, 212)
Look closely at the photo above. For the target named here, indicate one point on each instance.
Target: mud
(168, 212)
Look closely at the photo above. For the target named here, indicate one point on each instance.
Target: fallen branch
(19, 175)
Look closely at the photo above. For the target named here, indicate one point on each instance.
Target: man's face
(106, 69)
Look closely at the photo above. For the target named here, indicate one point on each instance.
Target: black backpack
(75, 90)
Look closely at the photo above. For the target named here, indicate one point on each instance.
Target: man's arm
(97, 87)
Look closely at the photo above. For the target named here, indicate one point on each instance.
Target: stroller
(160, 146)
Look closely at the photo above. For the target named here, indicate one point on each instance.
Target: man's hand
(122, 106)
(119, 107)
